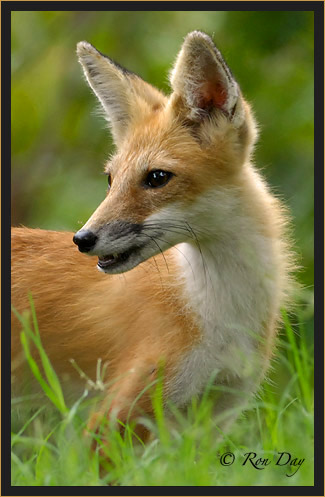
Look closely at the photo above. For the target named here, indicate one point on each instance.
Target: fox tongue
(106, 261)
(109, 258)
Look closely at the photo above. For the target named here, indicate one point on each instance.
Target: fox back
(192, 261)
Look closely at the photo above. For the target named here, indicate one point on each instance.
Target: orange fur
(107, 329)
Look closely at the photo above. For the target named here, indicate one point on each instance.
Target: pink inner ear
(212, 94)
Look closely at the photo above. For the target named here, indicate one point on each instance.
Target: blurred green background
(59, 143)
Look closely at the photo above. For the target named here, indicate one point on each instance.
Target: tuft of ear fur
(122, 94)
(204, 82)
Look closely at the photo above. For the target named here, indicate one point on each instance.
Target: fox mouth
(117, 260)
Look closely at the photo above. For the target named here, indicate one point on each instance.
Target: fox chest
(219, 354)
(228, 347)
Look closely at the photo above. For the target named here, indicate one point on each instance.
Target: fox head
(173, 154)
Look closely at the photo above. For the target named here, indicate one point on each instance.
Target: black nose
(85, 240)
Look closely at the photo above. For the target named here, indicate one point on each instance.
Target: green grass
(50, 449)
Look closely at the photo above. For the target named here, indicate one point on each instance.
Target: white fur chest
(229, 287)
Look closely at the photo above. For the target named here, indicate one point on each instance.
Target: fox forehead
(152, 144)
(161, 142)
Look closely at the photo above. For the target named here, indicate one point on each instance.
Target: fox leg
(125, 400)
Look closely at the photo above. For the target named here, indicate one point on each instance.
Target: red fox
(193, 263)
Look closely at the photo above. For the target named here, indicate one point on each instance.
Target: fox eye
(109, 181)
(158, 178)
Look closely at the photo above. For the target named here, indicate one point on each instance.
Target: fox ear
(108, 82)
(202, 79)
(119, 91)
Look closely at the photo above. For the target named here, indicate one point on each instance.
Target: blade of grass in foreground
(299, 360)
(51, 387)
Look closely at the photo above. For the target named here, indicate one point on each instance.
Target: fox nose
(85, 240)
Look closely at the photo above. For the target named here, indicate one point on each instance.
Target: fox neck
(229, 282)
(223, 283)
(226, 285)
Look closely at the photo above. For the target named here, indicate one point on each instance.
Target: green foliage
(50, 449)
(51, 385)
